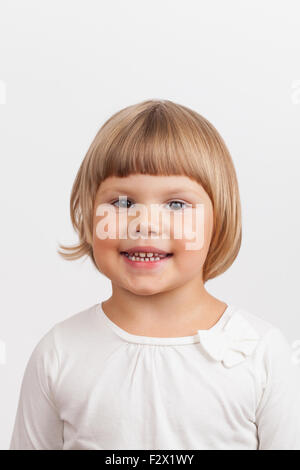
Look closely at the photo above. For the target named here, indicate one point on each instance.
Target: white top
(89, 384)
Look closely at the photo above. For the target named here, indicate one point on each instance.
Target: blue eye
(178, 202)
(123, 202)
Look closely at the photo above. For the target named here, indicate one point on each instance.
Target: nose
(148, 221)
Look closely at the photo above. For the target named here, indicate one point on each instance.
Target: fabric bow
(231, 344)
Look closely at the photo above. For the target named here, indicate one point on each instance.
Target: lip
(146, 264)
(145, 249)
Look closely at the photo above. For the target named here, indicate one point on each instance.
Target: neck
(177, 312)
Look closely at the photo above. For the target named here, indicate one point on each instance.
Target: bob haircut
(160, 137)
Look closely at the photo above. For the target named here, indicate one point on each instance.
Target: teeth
(145, 257)
(141, 254)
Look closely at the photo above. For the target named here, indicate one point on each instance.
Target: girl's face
(162, 203)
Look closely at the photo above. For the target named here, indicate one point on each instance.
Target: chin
(145, 291)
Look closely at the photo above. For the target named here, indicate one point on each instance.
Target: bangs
(157, 141)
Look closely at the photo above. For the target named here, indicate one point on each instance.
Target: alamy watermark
(2, 352)
(296, 351)
(3, 96)
(295, 92)
(187, 224)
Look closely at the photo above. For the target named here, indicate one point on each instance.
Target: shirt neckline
(131, 338)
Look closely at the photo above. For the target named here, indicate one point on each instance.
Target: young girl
(161, 364)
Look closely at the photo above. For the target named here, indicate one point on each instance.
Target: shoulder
(77, 321)
(256, 320)
(243, 334)
(272, 340)
(78, 328)
(67, 334)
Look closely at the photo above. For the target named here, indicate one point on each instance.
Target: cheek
(104, 250)
(104, 246)
(189, 261)
(196, 233)
(112, 225)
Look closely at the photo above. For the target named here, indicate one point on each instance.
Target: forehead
(150, 184)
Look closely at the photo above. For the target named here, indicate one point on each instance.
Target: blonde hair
(160, 137)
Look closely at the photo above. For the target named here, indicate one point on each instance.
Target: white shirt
(89, 384)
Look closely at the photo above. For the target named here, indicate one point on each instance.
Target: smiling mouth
(146, 257)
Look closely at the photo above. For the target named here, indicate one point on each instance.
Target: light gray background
(66, 66)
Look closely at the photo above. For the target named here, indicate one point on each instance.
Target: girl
(161, 364)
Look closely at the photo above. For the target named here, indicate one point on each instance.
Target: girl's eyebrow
(169, 192)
